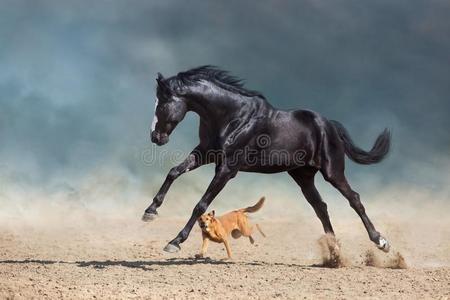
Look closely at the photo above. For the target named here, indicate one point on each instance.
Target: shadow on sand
(147, 264)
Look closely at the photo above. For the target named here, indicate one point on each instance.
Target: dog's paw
(198, 256)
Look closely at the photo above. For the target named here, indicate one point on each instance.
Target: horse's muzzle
(159, 138)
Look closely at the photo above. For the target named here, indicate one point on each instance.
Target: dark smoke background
(77, 82)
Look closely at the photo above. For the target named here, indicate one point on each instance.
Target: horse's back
(294, 129)
(307, 131)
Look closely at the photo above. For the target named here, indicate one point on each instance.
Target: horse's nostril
(154, 137)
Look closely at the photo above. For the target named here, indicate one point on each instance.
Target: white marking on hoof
(148, 217)
(171, 248)
(383, 244)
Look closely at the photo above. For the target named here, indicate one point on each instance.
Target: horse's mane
(218, 76)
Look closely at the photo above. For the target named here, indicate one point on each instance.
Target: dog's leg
(204, 247)
(260, 231)
(227, 247)
(245, 228)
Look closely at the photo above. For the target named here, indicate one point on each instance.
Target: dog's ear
(212, 213)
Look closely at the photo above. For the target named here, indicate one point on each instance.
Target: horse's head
(170, 109)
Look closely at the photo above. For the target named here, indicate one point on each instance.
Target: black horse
(241, 131)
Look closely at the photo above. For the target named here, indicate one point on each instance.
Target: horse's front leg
(223, 174)
(193, 161)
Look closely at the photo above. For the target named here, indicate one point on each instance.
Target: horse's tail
(379, 149)
(254, 208)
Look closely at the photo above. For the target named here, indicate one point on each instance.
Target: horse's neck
(218, 108)
(213, 112)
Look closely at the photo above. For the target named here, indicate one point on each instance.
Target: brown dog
(235, 223)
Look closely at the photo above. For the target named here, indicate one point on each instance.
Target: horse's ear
(162, 84)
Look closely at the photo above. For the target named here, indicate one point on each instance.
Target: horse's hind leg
(304, 177)
(340, 182)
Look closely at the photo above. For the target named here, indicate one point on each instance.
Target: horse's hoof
(172, 248)
(148, 217)
(383, 244)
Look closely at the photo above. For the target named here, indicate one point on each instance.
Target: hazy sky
(77, 78)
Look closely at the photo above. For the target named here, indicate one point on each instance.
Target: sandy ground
(123, 258)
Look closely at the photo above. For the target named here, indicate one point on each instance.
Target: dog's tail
(254, 208)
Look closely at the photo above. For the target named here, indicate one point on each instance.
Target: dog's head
(206, 220)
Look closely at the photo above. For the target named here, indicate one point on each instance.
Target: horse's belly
(269, 169)
(279, 157)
